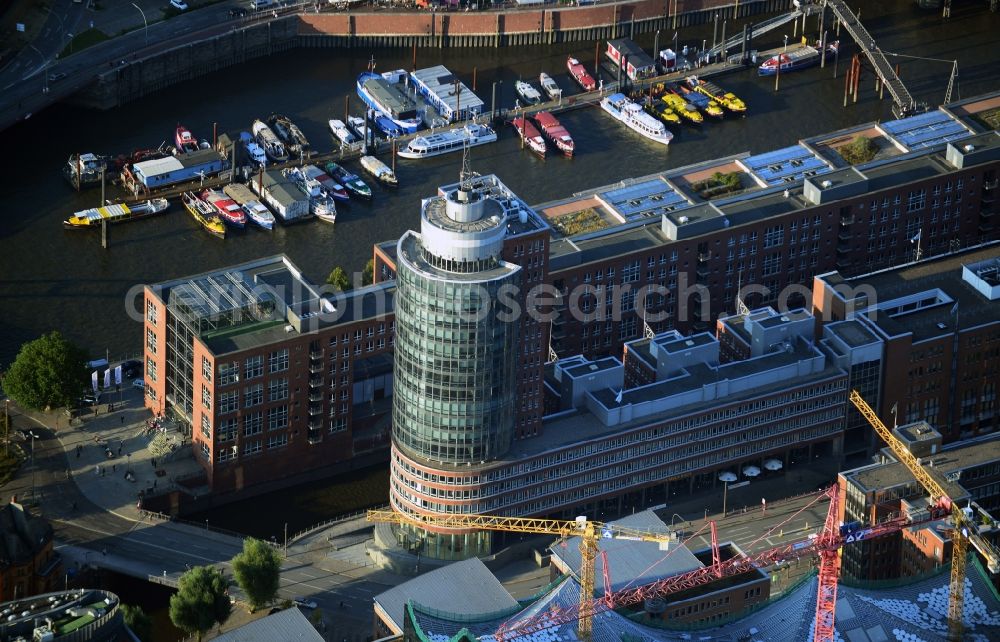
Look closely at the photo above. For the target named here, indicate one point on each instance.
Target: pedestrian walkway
(109, 458)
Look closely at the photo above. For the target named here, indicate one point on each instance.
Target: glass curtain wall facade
(456, 355)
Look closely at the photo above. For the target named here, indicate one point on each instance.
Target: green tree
(338, 279)
(257, 569)
(138, 621)
(368, 274)
(201, 601)
(48, 372)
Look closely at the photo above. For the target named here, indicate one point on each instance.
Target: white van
(257, 5)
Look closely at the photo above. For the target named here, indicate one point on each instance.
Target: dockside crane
(965, 531)
(826, 546)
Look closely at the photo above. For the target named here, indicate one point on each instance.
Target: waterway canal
(51, 278)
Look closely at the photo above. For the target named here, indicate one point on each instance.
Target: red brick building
(28, 565)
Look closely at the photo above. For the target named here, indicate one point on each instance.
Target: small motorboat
(204, 214)
(580, 74)
(549, 86)
(185, 140)
(341, 132)
(229, 210)
(526, 91)
(555, 132)
(329, 185)
(349, 180)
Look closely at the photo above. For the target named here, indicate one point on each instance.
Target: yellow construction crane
(588, 531)
(965, 531)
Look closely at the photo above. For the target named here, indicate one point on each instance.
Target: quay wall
(144, 76)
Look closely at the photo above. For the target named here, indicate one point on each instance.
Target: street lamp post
(725, 493)
(145, 25)
(32, 433)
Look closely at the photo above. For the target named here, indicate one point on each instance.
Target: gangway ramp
(759, 29)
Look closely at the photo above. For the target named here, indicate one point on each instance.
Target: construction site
(639, 578)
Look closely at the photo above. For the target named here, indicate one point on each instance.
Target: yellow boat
(714, 109)
(699, 100)
(683, 108)
(725, 98)
(94, 217)
(205, 214)
(663, 111)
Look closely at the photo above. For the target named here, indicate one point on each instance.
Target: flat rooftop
(441, 83)
(921, 298)
(948, 464)
(853, 333)
(264, 301)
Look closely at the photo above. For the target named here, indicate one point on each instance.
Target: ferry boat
(185, 140)
(662, 111)
(379, 170)
(549, 86)
(450, 140)
(388, 95)
(683, 108)
(256, 212)
(341, 132)
(527, 92)
(295, 141)
(580, 74)
(204, 214)
(800, 58)
(631, 114)
(355, 186)
(267, 139)
(84, 169)
(530, 135)
(320, 203)
(115, 213)
(332, 188)
(725, 98)
(701, 101)
(229, 210)
(555, 132)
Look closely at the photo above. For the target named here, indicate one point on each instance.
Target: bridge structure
(756, 30)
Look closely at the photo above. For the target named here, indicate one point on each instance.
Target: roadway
(25, 84)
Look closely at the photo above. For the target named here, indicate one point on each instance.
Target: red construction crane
(826, 545)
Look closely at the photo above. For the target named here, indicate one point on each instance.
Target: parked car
(58, 75)
(304, 603)
(131, 368)
(139, 384)
(180, 5)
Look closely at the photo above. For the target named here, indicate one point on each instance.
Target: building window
(338, 425)
(206, 368)
(206, 397)
(253, 395)
(251, 448)
(277, 418)
(278, 361)
(229, 373)
(229, 401)
(150, 369)
(206, 426)
(254, 367)
(277, 441)
(916, 200)
(206, 453)
(151, 312)
(277, 389)
(227, 429)
(150, 340)
(226, 454)
(253, 423)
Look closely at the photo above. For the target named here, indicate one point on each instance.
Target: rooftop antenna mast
(465, 176)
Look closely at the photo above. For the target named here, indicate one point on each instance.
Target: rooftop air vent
(969, 148)
(682, 219)
(827, 183)
(787, 193)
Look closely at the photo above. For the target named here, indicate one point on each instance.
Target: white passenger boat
(632, 115)
(267, 139)
(451, 140)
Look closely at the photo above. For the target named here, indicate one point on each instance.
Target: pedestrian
(74, 505)
(95, 410)
(114, 468)
(154, 483)
(123, 420)
(97, 470)
(119, 451)
(77, 452)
